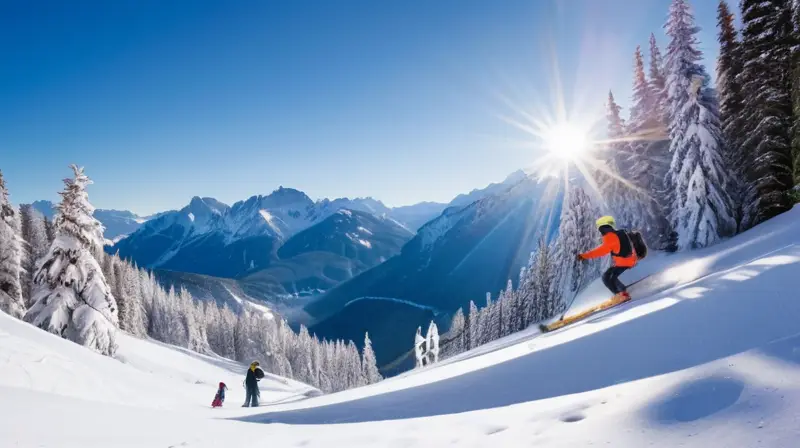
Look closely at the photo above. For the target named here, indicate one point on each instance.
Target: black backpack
(638, 243)
(258, 373)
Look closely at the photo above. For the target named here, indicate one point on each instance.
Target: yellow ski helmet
(606, 221)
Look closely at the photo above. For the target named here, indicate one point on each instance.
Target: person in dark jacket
(623, 257)
(254, 374)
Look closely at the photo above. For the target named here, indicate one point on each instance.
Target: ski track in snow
(708, 355)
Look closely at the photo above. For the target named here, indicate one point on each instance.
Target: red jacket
(611, 245)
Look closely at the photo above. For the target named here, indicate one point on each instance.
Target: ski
(610, 303)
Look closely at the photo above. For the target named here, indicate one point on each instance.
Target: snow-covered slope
(708, 355)
(144, 373)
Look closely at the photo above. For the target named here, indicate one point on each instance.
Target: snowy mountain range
(211, 238)
(453, 259)
(279, 247)
(343, 245)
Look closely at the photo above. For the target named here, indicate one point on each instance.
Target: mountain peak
(515, 177)
(206, 205)
(282, 191)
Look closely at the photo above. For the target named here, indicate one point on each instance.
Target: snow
(251, 304)
(365, 243)
(143, 373)
(708, 354)
(266, 215)
(364, 230)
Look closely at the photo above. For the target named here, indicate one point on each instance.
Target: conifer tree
(576, 234)
(36, 245)
(474, 326)
(648, 161)
(11, 254)
(542, 275)
(658, 85)
(456, 334)
(767, 113)
(50, 230)
(731, 103)
(74, 300)
(492, 323)
(609, 177)
(698, 176)
(796, 92)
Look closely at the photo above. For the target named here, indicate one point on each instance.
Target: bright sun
(567, 141)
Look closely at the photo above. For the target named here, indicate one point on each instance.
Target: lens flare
(567, 141)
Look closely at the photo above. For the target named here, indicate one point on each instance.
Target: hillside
(705, 356)
(453, 259)
(145, 373)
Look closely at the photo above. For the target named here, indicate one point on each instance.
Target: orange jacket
(611, 244)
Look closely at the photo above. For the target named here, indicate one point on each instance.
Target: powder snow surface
(708, 355)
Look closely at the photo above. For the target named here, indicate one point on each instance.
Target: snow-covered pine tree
(325, 381)
(11, 254)
(494, 311)
(50, 231)
(134, 319)
(316, 362)
(455, 344)
(241, 335)
(194, 337)
(702, 207)
(433, 342)
(112, 270)
(419, 347)
(474, 326)
(576, 234)
(731, 103)
(611, 178)
(74, 300)
(543, 301)
(354, 369)
(648, 161)
(36, 245)
(510, 318)
(766, 48)
(658, 84)
(300, 356)
(369, 363)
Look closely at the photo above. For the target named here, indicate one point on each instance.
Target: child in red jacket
(220, 397)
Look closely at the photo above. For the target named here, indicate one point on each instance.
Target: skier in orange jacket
(623, 256)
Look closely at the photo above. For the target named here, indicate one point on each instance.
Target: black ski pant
(611, 279)
(251, 399)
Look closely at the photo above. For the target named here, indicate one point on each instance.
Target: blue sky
(399, 100)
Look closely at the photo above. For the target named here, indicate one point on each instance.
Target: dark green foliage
(767, 116)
